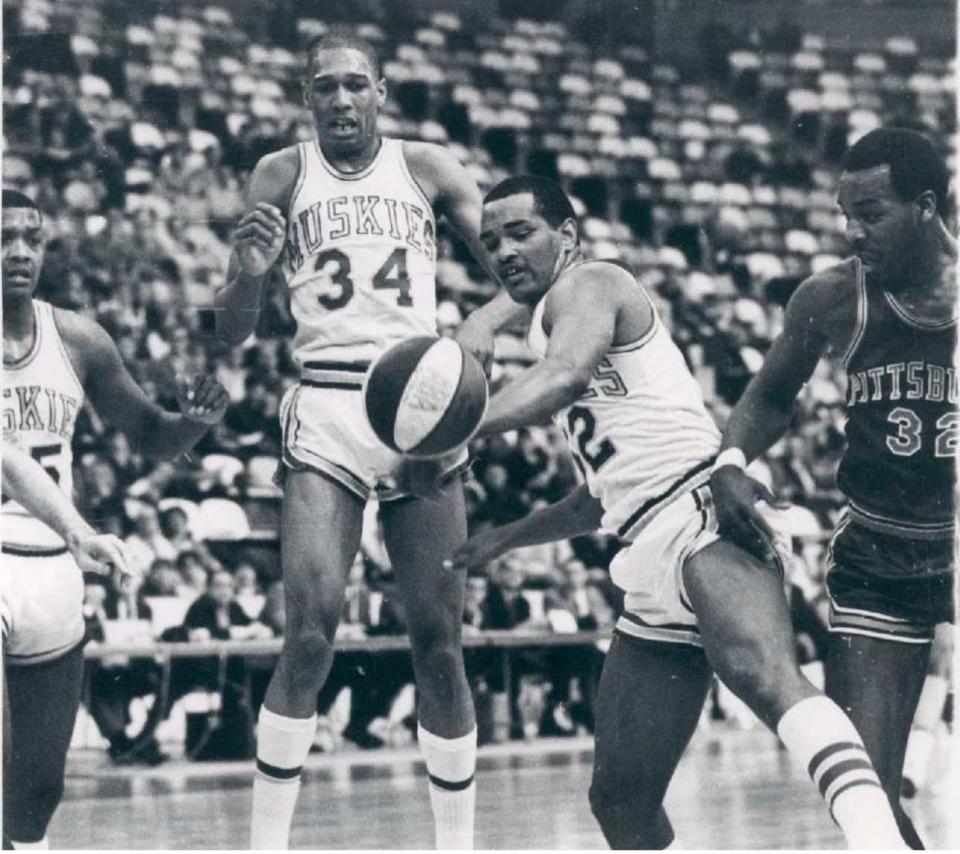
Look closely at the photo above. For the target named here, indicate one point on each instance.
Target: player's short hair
(344, 39)
(915, 164)
(549, 198)
(16, 199)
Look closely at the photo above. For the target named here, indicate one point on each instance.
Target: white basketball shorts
(650, 569)
(325, 430)
(41, 605)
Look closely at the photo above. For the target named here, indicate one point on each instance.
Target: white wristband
(730, 457)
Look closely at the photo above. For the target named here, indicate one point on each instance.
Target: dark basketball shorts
(889, 587)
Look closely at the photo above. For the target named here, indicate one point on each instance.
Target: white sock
(39, 845)
(916, 763)
(933, 697)
(451, 763)
(282, 747)
(822, 737)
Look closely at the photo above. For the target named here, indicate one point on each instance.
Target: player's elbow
(570, 382)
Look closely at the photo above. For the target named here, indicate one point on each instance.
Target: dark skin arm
(575, 514)
(456, 197)
(116, 397)
(257, 244)
(819, 314)
(581, 315)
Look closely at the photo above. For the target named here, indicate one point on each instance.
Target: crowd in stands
(134, 129)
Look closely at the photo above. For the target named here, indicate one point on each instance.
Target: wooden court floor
(734, 789)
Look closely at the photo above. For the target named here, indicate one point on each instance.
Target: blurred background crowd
(701, 151)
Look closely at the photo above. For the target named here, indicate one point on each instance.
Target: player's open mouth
(343, 125)
(512, 274)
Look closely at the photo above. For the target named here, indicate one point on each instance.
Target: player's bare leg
(319, 537)
(420, 534)
(648, 704)
(882, 709)
(40, 709)
(933, 697)
(748, 639)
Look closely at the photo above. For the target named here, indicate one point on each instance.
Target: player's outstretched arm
(114, 394)
(25, 481)
(578, 513)
(763, 413)
(257, 245)
(581, 310)
(459, 200)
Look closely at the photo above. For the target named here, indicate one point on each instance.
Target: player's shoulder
(827, 301)
(829, 290)
(275, 176)
(434, 166)
(594, 279)
(85, 339)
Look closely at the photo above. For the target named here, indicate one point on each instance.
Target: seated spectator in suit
(216, 615)
(114, 682)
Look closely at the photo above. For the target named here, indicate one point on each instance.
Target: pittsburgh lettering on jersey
(34, 407)
(358, 215)
(918, 380)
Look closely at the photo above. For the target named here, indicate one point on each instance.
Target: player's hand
(477, 340)
(479, 550)
(735, 495)
(100, 553)
(259, 239)
(202, 399)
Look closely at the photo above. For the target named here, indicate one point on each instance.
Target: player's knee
(436, 652)
(307, 646)
(757, 677)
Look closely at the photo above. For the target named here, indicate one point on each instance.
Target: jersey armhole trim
(301, 178)
(64, 352)
(415, 184)
(861, 325)
(916, 322)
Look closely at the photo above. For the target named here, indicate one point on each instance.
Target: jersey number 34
(336, 265)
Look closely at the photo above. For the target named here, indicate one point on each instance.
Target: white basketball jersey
(360, 259)
(41, 399)
(640, 430)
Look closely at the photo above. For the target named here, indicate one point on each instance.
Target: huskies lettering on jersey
(606, 381)
(358, 215)
(917, 380)
(34, 407)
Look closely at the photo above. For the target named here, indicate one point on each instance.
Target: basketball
(425, 396)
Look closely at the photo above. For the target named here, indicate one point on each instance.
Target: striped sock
(282, 747)
(451, 763)
(820, 735)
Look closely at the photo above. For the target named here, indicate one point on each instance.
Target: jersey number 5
(392, 274)
(583, 425)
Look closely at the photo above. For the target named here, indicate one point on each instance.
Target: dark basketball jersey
(902, 393)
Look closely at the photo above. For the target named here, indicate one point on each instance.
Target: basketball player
(349, 218)
(636, 424)
(52, 361)
(890, 313)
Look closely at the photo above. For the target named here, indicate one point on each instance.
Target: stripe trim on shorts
(33, 551)
(870, 624)
(634, 626)
(631, 527)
